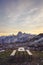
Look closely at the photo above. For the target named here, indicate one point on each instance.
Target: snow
(41, 39)
(2, 50)
(20, 37)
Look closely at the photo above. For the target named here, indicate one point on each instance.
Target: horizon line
(7, 34)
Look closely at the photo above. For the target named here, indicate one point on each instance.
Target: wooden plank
(13, 53)
(29, 52)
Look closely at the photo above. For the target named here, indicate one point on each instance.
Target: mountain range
(22, 38)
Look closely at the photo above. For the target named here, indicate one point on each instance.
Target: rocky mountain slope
(20, 37)
(23, 38)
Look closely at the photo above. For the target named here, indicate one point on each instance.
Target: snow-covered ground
(2, 50)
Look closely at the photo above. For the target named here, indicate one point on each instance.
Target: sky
(21, 15)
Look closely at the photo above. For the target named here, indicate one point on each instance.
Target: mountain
(36, 40)
(20, 37)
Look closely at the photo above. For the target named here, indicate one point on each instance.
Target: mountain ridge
(23, 38)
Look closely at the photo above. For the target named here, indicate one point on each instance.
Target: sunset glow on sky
(21, 15)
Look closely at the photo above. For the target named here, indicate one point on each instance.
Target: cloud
(34, 17)
(21, 15)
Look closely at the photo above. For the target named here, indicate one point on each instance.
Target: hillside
(22, 39)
